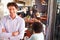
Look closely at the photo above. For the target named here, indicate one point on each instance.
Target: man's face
(12, 10)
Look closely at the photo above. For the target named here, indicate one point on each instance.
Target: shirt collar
(15, 17)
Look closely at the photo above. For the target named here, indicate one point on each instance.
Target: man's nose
(11, 10)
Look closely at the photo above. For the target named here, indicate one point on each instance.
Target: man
(37, 28)
(12, 25)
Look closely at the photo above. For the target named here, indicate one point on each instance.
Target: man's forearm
(5, 35)
(8, 35)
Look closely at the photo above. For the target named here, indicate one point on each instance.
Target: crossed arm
(17, 34)
(13, 33)
(5, 34)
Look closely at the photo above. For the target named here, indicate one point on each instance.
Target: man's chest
(12, 25)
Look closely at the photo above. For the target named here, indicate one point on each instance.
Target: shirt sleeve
(32, 38)
(37, 37)
(4, 34)
(21, 31)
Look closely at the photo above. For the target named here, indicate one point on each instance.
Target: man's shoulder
(20, 19)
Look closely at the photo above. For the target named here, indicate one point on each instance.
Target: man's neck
(12, 16)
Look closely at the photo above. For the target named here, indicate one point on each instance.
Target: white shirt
(17, 24)
(37, 36)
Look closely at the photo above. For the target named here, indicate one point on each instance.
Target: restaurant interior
(39, 8)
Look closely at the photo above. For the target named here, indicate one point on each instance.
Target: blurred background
(40, 5)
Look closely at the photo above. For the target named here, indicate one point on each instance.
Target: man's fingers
(3, 30)
(15, 33)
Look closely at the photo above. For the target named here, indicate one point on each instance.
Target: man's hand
(15, 33)
(3, 30)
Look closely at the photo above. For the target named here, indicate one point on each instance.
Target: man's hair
(12, 4)
(37, 27)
